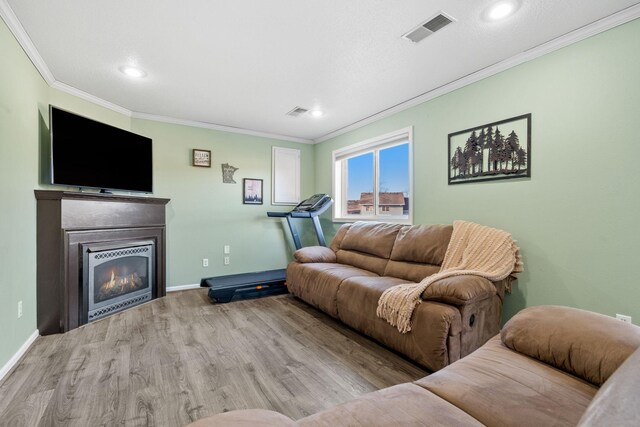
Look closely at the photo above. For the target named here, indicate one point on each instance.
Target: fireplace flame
(118, 285)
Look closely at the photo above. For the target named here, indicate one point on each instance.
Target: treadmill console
(310, 208)
(313, 203)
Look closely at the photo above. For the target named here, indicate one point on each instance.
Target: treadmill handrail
(278, 214)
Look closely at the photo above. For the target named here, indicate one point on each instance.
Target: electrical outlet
(227, 261)
(624, 318)
(205, 262)
(19, 309)
(227, 249)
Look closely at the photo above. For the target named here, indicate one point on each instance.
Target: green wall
(576, 219)
(23, 95)
(204, 214)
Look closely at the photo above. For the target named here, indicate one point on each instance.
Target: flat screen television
(89, 154)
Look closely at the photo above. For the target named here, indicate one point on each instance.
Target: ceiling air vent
(424, 30)
(297, 111)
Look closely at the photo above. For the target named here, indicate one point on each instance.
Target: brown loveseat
(550, 366)
(457, 315)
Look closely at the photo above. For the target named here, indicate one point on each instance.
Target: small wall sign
(202, 158)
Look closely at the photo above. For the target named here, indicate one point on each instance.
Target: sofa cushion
(425, 244)
(589, 345)
(435, 324)
(410, 271)
(337, 239)
(318, 283)
(418, 251)
(375, 238)
(401, 405)
(617, 402)
(365, 261)
(500, 387)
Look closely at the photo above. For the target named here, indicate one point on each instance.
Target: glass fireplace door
(118, 278)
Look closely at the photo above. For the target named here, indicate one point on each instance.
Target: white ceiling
(246, 63)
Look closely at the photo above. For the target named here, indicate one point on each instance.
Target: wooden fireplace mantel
(68, 220)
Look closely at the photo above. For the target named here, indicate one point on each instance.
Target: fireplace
(83, 234)
(116, 277)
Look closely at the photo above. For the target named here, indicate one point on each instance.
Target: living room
(574, 218)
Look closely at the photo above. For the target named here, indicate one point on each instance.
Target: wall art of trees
(488, 153)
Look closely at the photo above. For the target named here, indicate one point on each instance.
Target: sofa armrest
(585, 344)
(459, 290)
(314, 254)
(617, 402)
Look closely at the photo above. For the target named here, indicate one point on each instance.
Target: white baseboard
(21, 351)
(183, 287)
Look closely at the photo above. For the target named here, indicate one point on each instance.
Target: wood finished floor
(180, 358)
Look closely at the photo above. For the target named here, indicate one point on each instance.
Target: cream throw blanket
(473, 250)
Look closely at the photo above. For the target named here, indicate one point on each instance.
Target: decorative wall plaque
(227, 173)
(499, 150)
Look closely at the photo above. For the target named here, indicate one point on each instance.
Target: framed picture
(252, 191)
(499, 150)
(202, 158)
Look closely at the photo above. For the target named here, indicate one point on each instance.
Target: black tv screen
(89, 154)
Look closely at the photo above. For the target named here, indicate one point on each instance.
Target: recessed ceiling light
(502, 10)
(316, 113)
(132, 71)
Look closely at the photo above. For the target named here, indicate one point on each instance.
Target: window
(373, 179)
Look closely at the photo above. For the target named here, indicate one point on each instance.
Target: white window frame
(339, 186)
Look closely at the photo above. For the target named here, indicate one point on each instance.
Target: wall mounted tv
(89, 154)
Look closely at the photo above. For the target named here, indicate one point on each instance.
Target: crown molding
(231, 129)
(18, 31)
(163, 119)
(597, 27)
(91, 98)
(24, 40)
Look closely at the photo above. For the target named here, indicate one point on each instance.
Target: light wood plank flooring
(181, 358)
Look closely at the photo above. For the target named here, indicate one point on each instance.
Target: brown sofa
(550, 366)
(457, 315)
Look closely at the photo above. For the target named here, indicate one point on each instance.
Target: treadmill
(223, 289)
(312, 208)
